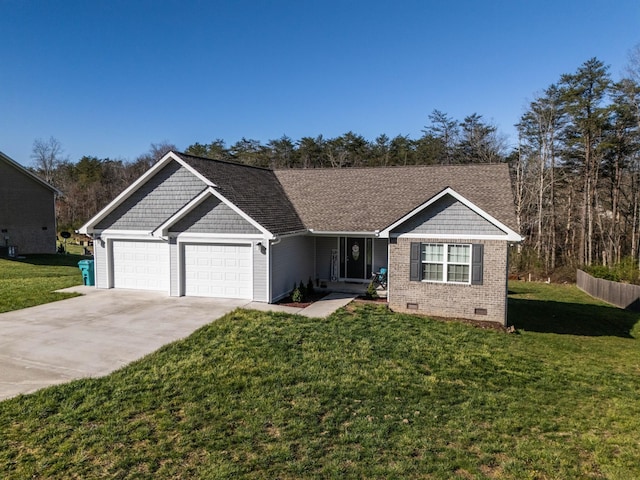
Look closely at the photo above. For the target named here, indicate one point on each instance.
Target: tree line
(575, 168)
(91, 182)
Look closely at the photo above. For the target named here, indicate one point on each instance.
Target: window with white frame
(442, 262)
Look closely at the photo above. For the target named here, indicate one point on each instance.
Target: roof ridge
(227, 162)
(395, 167)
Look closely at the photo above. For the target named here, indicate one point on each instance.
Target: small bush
(626, 271)
(371, 291)
(296, 295)
(310, 288)
(601, 271)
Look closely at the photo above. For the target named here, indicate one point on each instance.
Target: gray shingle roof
(369, 199)
(256, 191)
(352, 199)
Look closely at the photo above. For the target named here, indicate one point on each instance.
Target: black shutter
(477, 260)
(415, 265)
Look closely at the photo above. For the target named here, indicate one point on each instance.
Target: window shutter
(477, 261)
(415, 265)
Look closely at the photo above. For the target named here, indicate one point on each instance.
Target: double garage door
(208, 270)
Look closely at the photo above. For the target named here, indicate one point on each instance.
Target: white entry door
(218, 270)
(141, 265)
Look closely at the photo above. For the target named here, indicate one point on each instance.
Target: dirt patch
(485, 325)
(379, 300)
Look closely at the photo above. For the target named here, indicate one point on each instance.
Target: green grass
(363, 394)
(33, 280)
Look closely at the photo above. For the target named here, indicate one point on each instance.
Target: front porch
(356, 288)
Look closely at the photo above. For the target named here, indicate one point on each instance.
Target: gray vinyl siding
(324, 246)
(448, 216)
(213, 216)
(260, 293)
(100, 263)
(157, 200)
(174, 278)
(380, 253)
(292, 261)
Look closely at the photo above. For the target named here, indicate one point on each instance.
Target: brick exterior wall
(450, 300)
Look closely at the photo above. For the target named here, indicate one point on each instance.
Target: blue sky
(107, 77)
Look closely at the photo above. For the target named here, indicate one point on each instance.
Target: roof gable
(255, 193)
(159, 197)
(449, 215)
(209, 212)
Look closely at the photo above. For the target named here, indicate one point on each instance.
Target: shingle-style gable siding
(153, 203)
(448, 216)
(213, 216)
(26, 211)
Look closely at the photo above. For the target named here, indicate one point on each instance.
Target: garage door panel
(218, 270)
(141, 265)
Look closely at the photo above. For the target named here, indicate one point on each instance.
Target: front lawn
(34, 279)
(363, 394)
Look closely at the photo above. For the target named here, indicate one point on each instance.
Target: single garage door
(218, 270)
(141, 265)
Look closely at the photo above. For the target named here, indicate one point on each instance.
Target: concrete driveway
(94, 335)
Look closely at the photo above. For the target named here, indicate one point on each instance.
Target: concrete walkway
(320, 309)
(327, 305)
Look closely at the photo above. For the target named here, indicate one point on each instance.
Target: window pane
(432, 252)
(459, 253)
(432, 271)
(458, 273)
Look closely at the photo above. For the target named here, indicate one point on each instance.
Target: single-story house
(27, 211)
(202, 227)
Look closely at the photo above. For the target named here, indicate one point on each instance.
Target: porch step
(354, 288)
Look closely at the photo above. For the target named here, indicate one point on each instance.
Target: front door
(355, 256)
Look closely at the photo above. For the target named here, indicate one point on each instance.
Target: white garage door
(218, 270)
(141, 265)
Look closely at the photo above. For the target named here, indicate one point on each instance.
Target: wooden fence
(621, 295)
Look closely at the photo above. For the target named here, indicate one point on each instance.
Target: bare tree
(539, 129)
(47, 156)
(155, 153)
